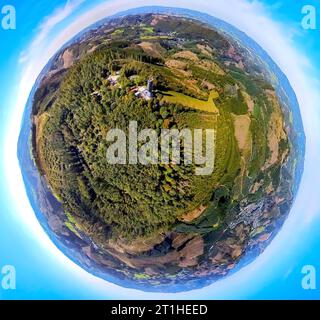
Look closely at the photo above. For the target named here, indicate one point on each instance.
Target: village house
(145, 92)
(113, 79)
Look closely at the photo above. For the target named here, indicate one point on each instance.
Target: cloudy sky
(42, 28)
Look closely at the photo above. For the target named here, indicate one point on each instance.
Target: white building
(144, 93)
(113, 79)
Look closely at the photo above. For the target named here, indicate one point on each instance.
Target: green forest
(75, 109)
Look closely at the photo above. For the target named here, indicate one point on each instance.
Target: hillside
(160, 217)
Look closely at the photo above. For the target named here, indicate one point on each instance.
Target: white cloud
(48, 24)
(59, 15)
(250, 17)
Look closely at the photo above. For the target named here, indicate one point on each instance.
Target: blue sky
(42, 271)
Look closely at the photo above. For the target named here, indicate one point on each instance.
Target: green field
(155, 38)
(118, 32)
(186, 101)
(149, 30)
